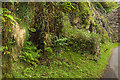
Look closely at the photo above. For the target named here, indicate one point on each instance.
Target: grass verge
(67, 65)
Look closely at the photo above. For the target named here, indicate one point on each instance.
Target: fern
(30, 54)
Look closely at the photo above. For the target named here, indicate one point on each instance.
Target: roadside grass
(67, 65)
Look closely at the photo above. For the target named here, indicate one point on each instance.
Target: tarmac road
(113, 69)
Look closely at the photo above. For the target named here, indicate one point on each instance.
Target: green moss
(109, 6)
(84, 12)
(98, 6)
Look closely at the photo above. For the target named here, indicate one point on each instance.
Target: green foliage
(63, 64)
(60, 43)
(105, 38)
(115, 37)
(103, 34)
(8, 21)
(32, 29)
(105, 6)
(30, 54)
(28, 10)
(68, 6)
(84, 41)
(109, 6)
(67, 65)
(80, 40)
(49, 49)
(5, 50)
(98, 6)
(10, 17)
(27, 72)
(84, 12)
(7, 17)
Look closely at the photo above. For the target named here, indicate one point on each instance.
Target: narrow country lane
(112, 70)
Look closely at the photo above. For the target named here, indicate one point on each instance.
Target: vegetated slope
(113, 18)
(57, 35)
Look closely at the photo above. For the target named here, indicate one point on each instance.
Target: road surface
(113, 69)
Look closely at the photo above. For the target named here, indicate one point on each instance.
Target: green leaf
(9, 16)
(12, 23)
(60, 44)
(9, 30)
(17, 18)
(8, 52)
(1, 11)
(29, 43)
(45, 43)
(5, 10)
(6, 48)
(3, 19)
(32, 29)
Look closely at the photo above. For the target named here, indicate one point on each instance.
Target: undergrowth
(30, 54)
(67, 65)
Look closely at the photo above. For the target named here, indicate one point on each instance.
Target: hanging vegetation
(37, 33)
